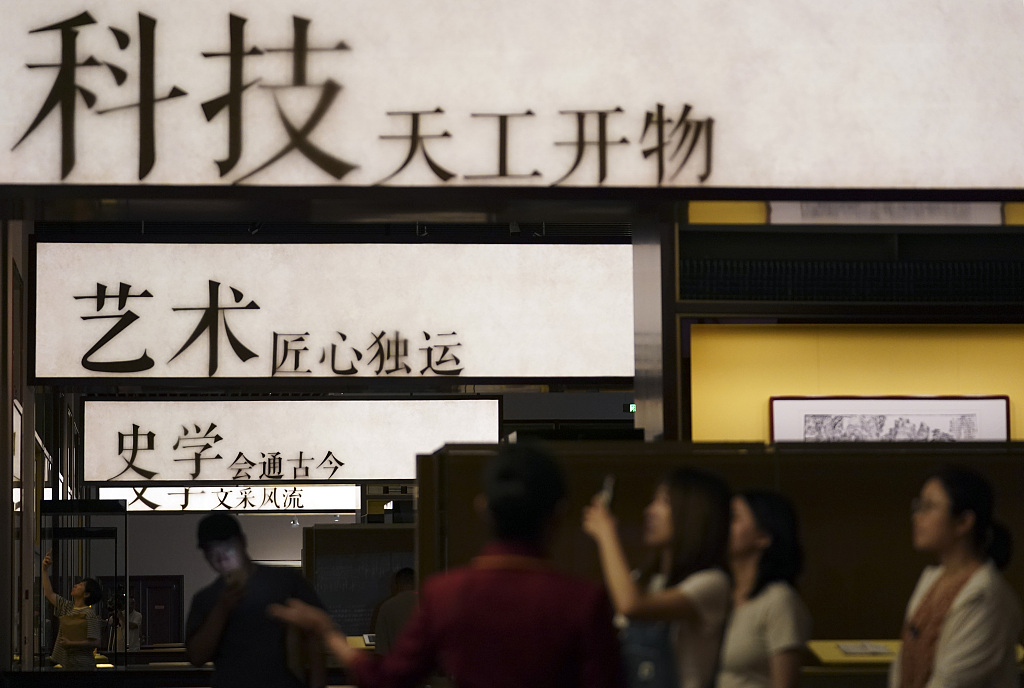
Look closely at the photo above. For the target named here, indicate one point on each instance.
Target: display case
(88, 538)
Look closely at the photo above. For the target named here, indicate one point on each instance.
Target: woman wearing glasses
(963, 619)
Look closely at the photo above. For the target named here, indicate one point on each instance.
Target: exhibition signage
(578, 93)
(245, 498)
(268, 443)
(333, 311)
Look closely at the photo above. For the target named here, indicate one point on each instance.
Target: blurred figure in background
(395, 611)
(227, 622)
(80, 628)
(508, 619)
(769, 624)
(963, 620)
(686, 527)
(119, 621)
(133, 622)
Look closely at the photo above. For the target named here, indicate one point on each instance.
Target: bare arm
(47, 585)
(785, 668)
(337, 644)
(316, 623)
(626, 596)
(317, 666)
(410, 661)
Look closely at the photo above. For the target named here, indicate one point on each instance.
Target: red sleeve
(410, 660)
(601, 665)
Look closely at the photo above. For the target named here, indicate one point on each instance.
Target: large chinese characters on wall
(283, 446)
(332, 311)
(267, 498)
(319, 93)
(669, 93)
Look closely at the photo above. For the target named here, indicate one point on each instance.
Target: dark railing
(975, 282)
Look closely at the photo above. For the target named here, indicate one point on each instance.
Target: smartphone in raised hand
(607, 490)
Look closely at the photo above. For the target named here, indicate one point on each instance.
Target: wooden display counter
(855, 663)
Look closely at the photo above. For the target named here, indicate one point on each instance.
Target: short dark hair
(218, 527)
(783, 559)
(93, 591)
(523, 484)
(405, 577)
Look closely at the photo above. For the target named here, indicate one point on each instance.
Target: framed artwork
(890, 419)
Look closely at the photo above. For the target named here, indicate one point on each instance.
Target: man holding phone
(227, 622)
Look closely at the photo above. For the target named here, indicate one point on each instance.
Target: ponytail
(969, 490)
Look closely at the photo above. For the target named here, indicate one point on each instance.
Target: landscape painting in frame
(890, 419)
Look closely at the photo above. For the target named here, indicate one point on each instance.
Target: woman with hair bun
(963, 619)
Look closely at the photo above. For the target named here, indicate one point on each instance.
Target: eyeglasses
(917, 504)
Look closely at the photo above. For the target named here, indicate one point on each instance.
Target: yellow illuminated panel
(1013, 213)
(728, 213)
(736, 369)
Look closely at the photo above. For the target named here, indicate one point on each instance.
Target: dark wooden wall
(853, 501)
(351, 567)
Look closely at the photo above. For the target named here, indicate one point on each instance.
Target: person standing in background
(227, 622)
(395, 611)
(133, 622)
(118, 621)
(963, 620)
(80, 628)
(769, 624)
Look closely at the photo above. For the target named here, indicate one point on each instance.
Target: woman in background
(963, 619)
(769, 624)
(80, 628)
(686, 527)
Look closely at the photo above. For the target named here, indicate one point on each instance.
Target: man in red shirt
(506, 620)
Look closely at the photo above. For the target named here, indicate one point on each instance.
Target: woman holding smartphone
(80, 628)
(686, 529)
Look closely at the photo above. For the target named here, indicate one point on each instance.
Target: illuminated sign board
(246, 498)
(334, 311)
(275, 442)
(876, 93)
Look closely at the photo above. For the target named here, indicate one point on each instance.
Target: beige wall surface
(736, 369)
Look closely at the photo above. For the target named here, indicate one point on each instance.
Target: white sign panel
(581, 93)
(880, 213)
(275, 441)
(333, 311)
(248, 498)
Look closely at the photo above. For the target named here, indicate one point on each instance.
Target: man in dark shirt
(228, 624)
(508, 619)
